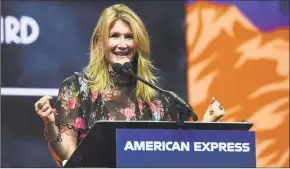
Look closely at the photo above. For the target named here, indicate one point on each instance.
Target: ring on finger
(39, 105)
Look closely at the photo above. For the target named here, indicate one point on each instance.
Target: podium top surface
(172, 125)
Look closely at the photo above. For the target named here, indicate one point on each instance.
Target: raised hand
(44, 110)
(214, 111)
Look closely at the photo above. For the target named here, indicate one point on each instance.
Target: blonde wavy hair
(97, 69)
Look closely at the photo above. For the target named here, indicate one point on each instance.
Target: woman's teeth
(121, 54)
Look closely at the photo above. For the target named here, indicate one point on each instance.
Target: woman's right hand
(44, 110)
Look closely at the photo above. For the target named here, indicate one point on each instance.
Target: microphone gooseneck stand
(182, 106)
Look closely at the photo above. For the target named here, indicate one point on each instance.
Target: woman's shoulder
(69, 80)
(74, 78)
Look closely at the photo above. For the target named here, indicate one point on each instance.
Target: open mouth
(121, 54)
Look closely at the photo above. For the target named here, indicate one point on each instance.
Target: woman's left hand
(214, 111)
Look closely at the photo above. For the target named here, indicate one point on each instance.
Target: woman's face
(121, 43)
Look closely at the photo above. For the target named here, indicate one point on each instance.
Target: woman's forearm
(62, 142)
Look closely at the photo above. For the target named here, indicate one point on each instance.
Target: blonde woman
(97, 93)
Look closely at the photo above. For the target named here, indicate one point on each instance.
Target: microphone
(127, 69)
(117, 68)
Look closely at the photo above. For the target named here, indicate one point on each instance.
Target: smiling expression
(121, 43)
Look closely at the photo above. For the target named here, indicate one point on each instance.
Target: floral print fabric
(117, 102)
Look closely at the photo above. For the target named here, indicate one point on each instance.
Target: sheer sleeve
(67, 105)
(171, 110)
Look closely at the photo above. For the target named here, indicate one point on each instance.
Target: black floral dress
(77, 108)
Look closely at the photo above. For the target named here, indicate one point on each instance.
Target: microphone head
(117, 67)
(128, 66)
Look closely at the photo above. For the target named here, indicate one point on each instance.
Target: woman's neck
(120, 79)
